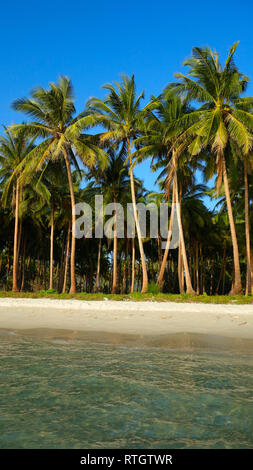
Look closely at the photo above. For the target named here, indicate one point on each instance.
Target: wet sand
(167, 324)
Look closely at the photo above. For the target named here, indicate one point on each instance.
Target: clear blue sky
(94, 41)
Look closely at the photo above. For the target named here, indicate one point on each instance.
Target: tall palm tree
(54, 122)
(159, 143)
(13, 151)
(222, 118)
(122, 117)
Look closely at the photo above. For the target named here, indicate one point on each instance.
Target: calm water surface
(57, 394)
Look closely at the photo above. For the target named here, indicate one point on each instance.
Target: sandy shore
(126, 317)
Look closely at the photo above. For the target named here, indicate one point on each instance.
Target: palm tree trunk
(23, 265)
(138, 229)
(98, 265)
(237, 286)
(19, 245)
(166, 252)
(197, 267)
(8, 269)
(180, 270)
(189, 288)
(115, 253)
(66, 261)
(247, 229)
(127, 265)
(73, 239)
(123, 290)
(51, 250)
(251, 268)
(133, 264)
(15, 245)
(60, 278)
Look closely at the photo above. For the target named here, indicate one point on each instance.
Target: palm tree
(159, 143)
(13, 151)
(222, 118)
(197, 223)
(53, 111)
(121, 116)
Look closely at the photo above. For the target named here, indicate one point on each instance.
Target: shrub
(153, 288)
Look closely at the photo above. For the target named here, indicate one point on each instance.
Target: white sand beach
(127, 317)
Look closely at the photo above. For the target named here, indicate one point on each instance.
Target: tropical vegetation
(197, 135)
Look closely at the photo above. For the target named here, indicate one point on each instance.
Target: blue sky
(94, 41)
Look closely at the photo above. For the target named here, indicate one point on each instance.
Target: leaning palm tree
(159, 143)
(224, 117)
(13, 151)
(61, 133)
(122, 117)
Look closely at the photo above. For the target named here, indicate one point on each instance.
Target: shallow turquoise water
(81, 395)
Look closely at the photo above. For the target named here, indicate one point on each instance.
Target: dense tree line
(202, 122)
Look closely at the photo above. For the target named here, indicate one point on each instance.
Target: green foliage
(215, 136)
(48, 291)
(153, 288)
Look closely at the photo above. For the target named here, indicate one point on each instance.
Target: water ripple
(77, 395)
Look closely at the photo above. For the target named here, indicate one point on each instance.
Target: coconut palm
(54, 122)
(222, 118)
(121, 115)
(159, 143)
(13, 151)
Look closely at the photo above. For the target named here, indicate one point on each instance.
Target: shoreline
(127, 317)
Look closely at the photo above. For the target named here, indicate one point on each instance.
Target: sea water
(76, 394)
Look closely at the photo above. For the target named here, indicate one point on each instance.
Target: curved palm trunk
(189, 288)
(51, 250)
(98, 265)
(15, 243)
(166, 252)
(115, 245)
(73, 239)
(138, 229)
(237, 285)
(133, 264)
(247, 230)
(66, 262)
